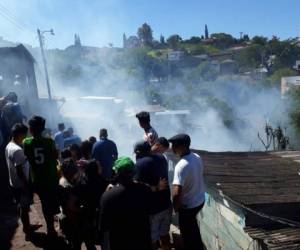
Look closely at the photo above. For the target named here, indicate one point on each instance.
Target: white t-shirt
(14, 157)
(189, 175)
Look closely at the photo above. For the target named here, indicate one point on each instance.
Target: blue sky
(99, 22)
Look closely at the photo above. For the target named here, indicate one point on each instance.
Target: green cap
(123, 164)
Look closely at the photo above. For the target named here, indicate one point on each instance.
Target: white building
(175, 55)
(297, 65)
(289, 83)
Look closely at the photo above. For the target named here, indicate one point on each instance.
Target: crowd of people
(101, 198)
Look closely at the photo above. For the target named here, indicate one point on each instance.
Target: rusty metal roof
(261, 182)
(281, 239)
(254, 177)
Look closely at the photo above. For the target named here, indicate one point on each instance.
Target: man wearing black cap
(144, 120)
(42, 156)
(152, 169)
(188, 191)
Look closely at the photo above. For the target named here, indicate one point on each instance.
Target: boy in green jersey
(42, 156)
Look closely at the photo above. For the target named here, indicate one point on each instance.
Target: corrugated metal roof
(254, 177)
(19, 50)
(281, 239)
(258, 181)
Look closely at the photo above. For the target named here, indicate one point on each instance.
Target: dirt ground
(39, 239)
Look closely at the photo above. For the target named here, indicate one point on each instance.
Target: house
(202, 57)
(18, 74)
(175, 55)
(215, 65)
(132, 42)
(227, 66)
(289, 83)
(238, 48)
(259, 73)
(252, 200)
(297, 65)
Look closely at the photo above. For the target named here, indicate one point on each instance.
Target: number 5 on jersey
(39, 157)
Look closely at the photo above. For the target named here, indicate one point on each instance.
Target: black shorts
(49, 200)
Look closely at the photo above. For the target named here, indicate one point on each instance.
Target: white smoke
(251, 107)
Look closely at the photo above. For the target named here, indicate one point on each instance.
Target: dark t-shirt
(125, 214)
(42, 156)
(105, 151)
(150, 170)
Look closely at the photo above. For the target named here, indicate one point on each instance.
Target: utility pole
(41, 38)
(241, 35)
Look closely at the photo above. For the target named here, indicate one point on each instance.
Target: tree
(246, 38)
(251, 57)
(77, 41)
(206, 32)
(162, 39)
(207, 71)
(259, 40)
(193, 40)
(204, 71)
(145, 34)
(140, 64)
(223, 40)
(174, 41)
(275, 78)
(285, 52)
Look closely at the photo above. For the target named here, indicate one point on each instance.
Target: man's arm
(115, 149)
(176, 195)
(178, 183)
(20, 160)
(94, 151)
(162, 185)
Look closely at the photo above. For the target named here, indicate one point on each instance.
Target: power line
(9, 13)
(10, 17)
(11, 20)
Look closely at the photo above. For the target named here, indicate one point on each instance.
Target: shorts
(49, 200)
(160, 224)
(23, 197)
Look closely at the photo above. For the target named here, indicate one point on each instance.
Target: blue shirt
(105, 151)
(59, 140)
(73, 139)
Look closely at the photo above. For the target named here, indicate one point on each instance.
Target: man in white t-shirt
(18, 169)
(188, 191)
